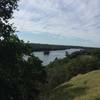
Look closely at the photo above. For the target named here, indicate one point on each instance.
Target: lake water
(53, 55)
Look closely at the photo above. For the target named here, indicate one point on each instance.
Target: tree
(6, 10)
(19, 79)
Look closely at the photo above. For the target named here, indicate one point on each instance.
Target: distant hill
(50, 47)
(81, 87)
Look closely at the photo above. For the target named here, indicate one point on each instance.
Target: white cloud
(79, 18)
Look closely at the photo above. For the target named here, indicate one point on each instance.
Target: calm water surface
(53, 55)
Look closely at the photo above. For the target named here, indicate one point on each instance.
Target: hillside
(75, 77)
(81, 87)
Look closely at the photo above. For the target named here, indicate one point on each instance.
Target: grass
(81, 87)
(62, 70)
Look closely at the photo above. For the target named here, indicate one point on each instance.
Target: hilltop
(81, 87)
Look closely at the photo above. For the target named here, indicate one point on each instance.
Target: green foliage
(6, 10)
(63, 70)
(23, 78)
(81, 87)
(95, 52)
(19, 79)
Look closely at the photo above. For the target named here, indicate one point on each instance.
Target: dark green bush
(63, 70)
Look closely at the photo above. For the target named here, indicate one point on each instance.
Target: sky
(66, 22)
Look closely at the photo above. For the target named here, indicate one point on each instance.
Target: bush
(59, 72)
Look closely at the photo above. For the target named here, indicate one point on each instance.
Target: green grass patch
(81, 87)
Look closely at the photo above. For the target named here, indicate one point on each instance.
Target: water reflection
(52, 55)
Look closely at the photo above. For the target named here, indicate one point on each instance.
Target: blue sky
(70, 22)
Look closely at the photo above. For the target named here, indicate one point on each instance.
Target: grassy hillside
(81, 87)
(71, 78)
(63, 70)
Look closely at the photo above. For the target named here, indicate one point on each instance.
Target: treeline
(48, 47)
